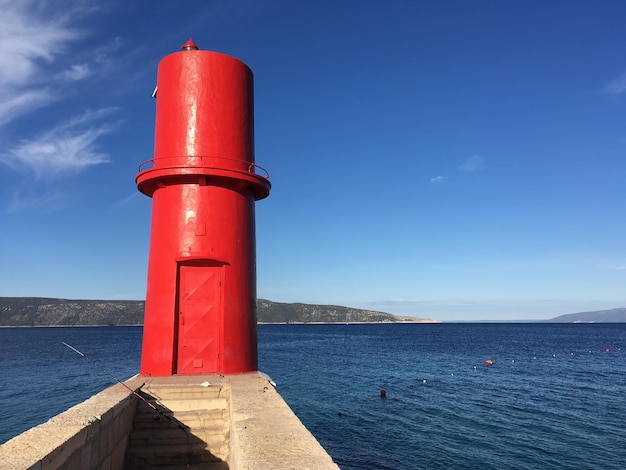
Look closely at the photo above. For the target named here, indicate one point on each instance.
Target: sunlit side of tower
(200, 315)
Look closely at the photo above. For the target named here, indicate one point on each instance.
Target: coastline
(428, 321)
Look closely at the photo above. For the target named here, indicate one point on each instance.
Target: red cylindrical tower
(200, 315)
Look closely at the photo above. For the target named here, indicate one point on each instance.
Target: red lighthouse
(200, 315)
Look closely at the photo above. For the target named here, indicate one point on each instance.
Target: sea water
(554, 395)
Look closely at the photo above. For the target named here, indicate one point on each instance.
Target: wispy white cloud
(16, 104)
(29, 200)
(616, 86)
(33, 37)
(78, 72)
(437, 180)
(132, 198)
(67, 148)
(35, 67)
(473, 163)
(30, 38)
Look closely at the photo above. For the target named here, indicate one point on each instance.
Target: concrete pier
(236, 422)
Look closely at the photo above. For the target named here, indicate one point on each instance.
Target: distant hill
(38, 311)
(275, 312)
(615, 315)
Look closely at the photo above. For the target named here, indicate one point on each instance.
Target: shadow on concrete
(165, 439)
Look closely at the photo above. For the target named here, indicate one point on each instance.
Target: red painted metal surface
(200, 313)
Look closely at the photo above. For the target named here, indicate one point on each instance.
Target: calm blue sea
(554, 397)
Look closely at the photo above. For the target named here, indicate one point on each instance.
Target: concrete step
(217, 465)
(158, 443)
(174, 455)
(183, 391)
(216, 436)
(189, 419)
(198, 452)
(183, 404)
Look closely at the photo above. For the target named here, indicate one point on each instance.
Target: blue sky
(449, 159)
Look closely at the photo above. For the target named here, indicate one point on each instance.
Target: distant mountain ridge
(40, 311)
(276, 312)
(614, 315)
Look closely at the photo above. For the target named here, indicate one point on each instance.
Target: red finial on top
(189, 46)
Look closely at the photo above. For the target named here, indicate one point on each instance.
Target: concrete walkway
(265, 433)
(262, 432)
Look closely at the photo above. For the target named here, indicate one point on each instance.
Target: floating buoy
(488, 362)
(383, 393)
(607, 350)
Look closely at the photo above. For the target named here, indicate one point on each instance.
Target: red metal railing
(204, 162)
